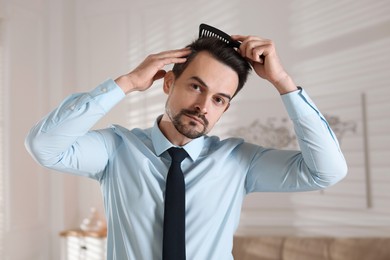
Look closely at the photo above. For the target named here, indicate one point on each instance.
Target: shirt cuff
(298, 104)
(107, 94)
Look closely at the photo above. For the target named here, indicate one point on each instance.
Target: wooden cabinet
(83, 245)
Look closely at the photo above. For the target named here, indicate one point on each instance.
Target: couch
(310, 248)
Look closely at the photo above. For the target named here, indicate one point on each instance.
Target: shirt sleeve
(319, 163)
(63, 141)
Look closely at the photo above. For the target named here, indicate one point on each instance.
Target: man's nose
(202, 105)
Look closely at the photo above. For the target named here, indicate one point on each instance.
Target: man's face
(199, 97)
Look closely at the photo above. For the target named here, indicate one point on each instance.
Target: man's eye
(219, 100)
(195, 87)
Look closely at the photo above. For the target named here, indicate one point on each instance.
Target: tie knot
(177, 154)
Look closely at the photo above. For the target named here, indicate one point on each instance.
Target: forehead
(215, 74)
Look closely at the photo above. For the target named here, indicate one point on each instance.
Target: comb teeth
(206, 33)
(209, 31)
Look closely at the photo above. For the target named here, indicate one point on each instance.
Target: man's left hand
(261, 53)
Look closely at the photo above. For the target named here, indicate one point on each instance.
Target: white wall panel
(27, 187)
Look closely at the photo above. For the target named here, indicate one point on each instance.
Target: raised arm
(63, 140)
(320, 163)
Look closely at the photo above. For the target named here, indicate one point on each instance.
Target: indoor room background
(339, 51)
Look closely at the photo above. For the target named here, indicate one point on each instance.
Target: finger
(258, 54)
(174, 53)
(257, 50)
(168, 61)
(246, 47)
(171, 57)
(238, 37)
(245, 38)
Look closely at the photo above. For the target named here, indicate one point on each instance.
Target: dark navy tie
(174, 244)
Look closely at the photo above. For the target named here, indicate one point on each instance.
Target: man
(132, 165)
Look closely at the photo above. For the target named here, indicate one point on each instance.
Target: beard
(188, 130)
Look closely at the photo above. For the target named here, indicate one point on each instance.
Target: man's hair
(222, 52)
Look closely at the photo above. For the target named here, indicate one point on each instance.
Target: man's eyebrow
(205, 85)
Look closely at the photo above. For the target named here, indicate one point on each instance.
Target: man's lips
(197, 119)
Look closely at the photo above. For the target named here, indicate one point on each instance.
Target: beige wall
(337, 50)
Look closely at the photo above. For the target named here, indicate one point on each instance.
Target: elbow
(334, 175)
(38, 150)
(342, 172)
(32, 146)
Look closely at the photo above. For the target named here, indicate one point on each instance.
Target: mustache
(196, 114)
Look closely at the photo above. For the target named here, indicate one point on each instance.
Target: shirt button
(72, 107)
(104, 89)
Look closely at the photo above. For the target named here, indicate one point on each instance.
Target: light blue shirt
(132, 165)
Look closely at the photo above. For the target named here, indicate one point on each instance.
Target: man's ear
(169, 80)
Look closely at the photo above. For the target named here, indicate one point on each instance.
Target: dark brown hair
(220, 51)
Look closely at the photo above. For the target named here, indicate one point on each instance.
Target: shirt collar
(161, 143)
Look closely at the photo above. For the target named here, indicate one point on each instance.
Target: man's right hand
(151, 69)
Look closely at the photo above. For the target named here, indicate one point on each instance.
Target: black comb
(209, 31)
